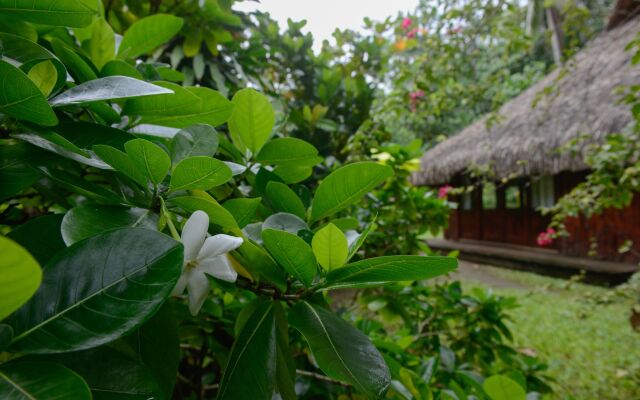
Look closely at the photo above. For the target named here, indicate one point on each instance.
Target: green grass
(588, 343)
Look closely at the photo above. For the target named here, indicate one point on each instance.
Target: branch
(321, 377)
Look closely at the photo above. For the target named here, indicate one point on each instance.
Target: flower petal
(194, 233)
(217, 245)
(219, 267)
(198, 286)
(182, 283)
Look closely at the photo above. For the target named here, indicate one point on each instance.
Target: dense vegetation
(196, 205)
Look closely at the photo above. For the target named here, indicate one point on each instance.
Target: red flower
(412, 33)
(546, 238)
(406, 23)
(444, 191)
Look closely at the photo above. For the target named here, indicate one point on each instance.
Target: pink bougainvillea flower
(415, 95)
(412, 33)
(546, 238)
(444, 191)
(406, 23)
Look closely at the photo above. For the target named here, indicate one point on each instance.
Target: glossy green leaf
(260, 264)
(85, 221)
(346, 186)
(380, 270)
(108, 88)
(44, 75)
(34, 380)
(243, 210)
(41, 237)
(6, 334)
(149, 158)
(18, 27)
(56, 143)
(28, 53)
(99, 289)
(218, 215)
(341, 351)
(290, 152)
(292, 253)
(285, 378)
(355, 246)
(292, 174)
(68, 13)
(20, 276)
(148, 33)
(81, 186)
(119, 67)
(499, 387)
(111, 375)
(157, 345)
(85, 135)
(251, 121)
(121, 162)
(16, 170)
(330, 247)
(79, 67)
(285, 222)
(199, 172)
(22, 99)
(251, 368)
(185, 107)
(195, 140)
(283, 199)
(102, 44)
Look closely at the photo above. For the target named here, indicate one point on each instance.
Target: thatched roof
(524, 141)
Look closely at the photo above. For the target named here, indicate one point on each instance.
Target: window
(542, 192)
(489, 197)
(467, 201)
(512, 200)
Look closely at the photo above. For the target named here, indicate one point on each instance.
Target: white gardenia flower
(204, 255)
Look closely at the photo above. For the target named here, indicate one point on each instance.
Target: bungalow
(502, 221)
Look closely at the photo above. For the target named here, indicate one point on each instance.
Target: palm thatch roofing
(580, 99)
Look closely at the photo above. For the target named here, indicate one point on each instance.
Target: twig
(321, 377)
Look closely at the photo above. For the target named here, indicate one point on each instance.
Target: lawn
(582, 331)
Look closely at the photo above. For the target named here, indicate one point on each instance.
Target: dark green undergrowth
(581, 331)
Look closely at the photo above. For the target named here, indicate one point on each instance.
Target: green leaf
(355, 246)
(260, 264)
(183, 108)
(79, 66)
(217, 214)
(195, 140)
(121, 162)
(18, 27)
(346, 186)
(330, 247)
(147, 34)
(67, 13)
(32, 380)
(285, 222)
(199, 172)
(119, 67)
(28, 53)
(380, 270)
(283, 199)
(40, 236)
(250, 371)
(98, 290)
(16, 170)
(251, 121)
(149, 158)
(289, 152)
(292, 253)
(81, 186)
(45, 76)
(85, 135)
(292, 174)
(20, 276)
(157, 345)
(22, 99)
(85, 221)
(111, 375)
(242, 210)
(499, 387)
(341, 351)
(102, 45)
(108, 88)
(6, 334)
(285, 367)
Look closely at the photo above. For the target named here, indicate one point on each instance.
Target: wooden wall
(604, 233)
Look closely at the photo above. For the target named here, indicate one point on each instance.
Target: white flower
(203, 255)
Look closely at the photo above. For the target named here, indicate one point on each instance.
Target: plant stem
(321, 377)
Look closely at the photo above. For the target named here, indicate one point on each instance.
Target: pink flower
(406, 23)
(416, 95)
(412, 33)
(444, 191)
(455, 30)
(546, 238)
